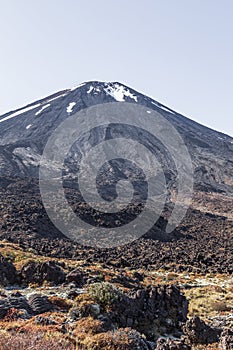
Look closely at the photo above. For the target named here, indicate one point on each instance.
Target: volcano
(23, 136)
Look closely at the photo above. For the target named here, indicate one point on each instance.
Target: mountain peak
(91, 93)
(118, 91)
(24, 134)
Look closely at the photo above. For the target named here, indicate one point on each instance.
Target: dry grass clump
(86, 327)
(16, 254)
(214, 346)
(89, 334)
(61, 303)
(209, 300)
(32, 325)
(17, 257)
(33, 341)
(122, 339)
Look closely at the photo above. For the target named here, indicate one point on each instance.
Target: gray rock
(226, 341)
(18, 302)
(39, 304)
(8, 273)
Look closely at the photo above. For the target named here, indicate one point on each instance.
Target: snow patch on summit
(90, 89)
(119, 92)
(41, 110)
(69, 109)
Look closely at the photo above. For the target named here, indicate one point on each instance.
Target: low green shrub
(105, 293)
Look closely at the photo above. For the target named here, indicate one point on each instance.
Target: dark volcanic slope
(203, 241)
(23, 133)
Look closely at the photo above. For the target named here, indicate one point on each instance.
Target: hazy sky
(180, 52)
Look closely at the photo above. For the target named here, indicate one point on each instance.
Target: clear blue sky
(178, 52)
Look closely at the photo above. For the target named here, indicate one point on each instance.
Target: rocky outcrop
(15, 301)
(76, 276)
(33, 305)
(153, 311)
(35, 272)
(8, 273)
(39, 304)
(198, 332)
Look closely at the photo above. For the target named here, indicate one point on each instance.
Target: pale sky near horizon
(178, 52)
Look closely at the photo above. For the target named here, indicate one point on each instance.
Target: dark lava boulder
(36, 304)
(37, 272)
(198, 332)
(8, 273)
(17, 302)
(77, 277)
(3, 308)
(153, 311)
(39, 304)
